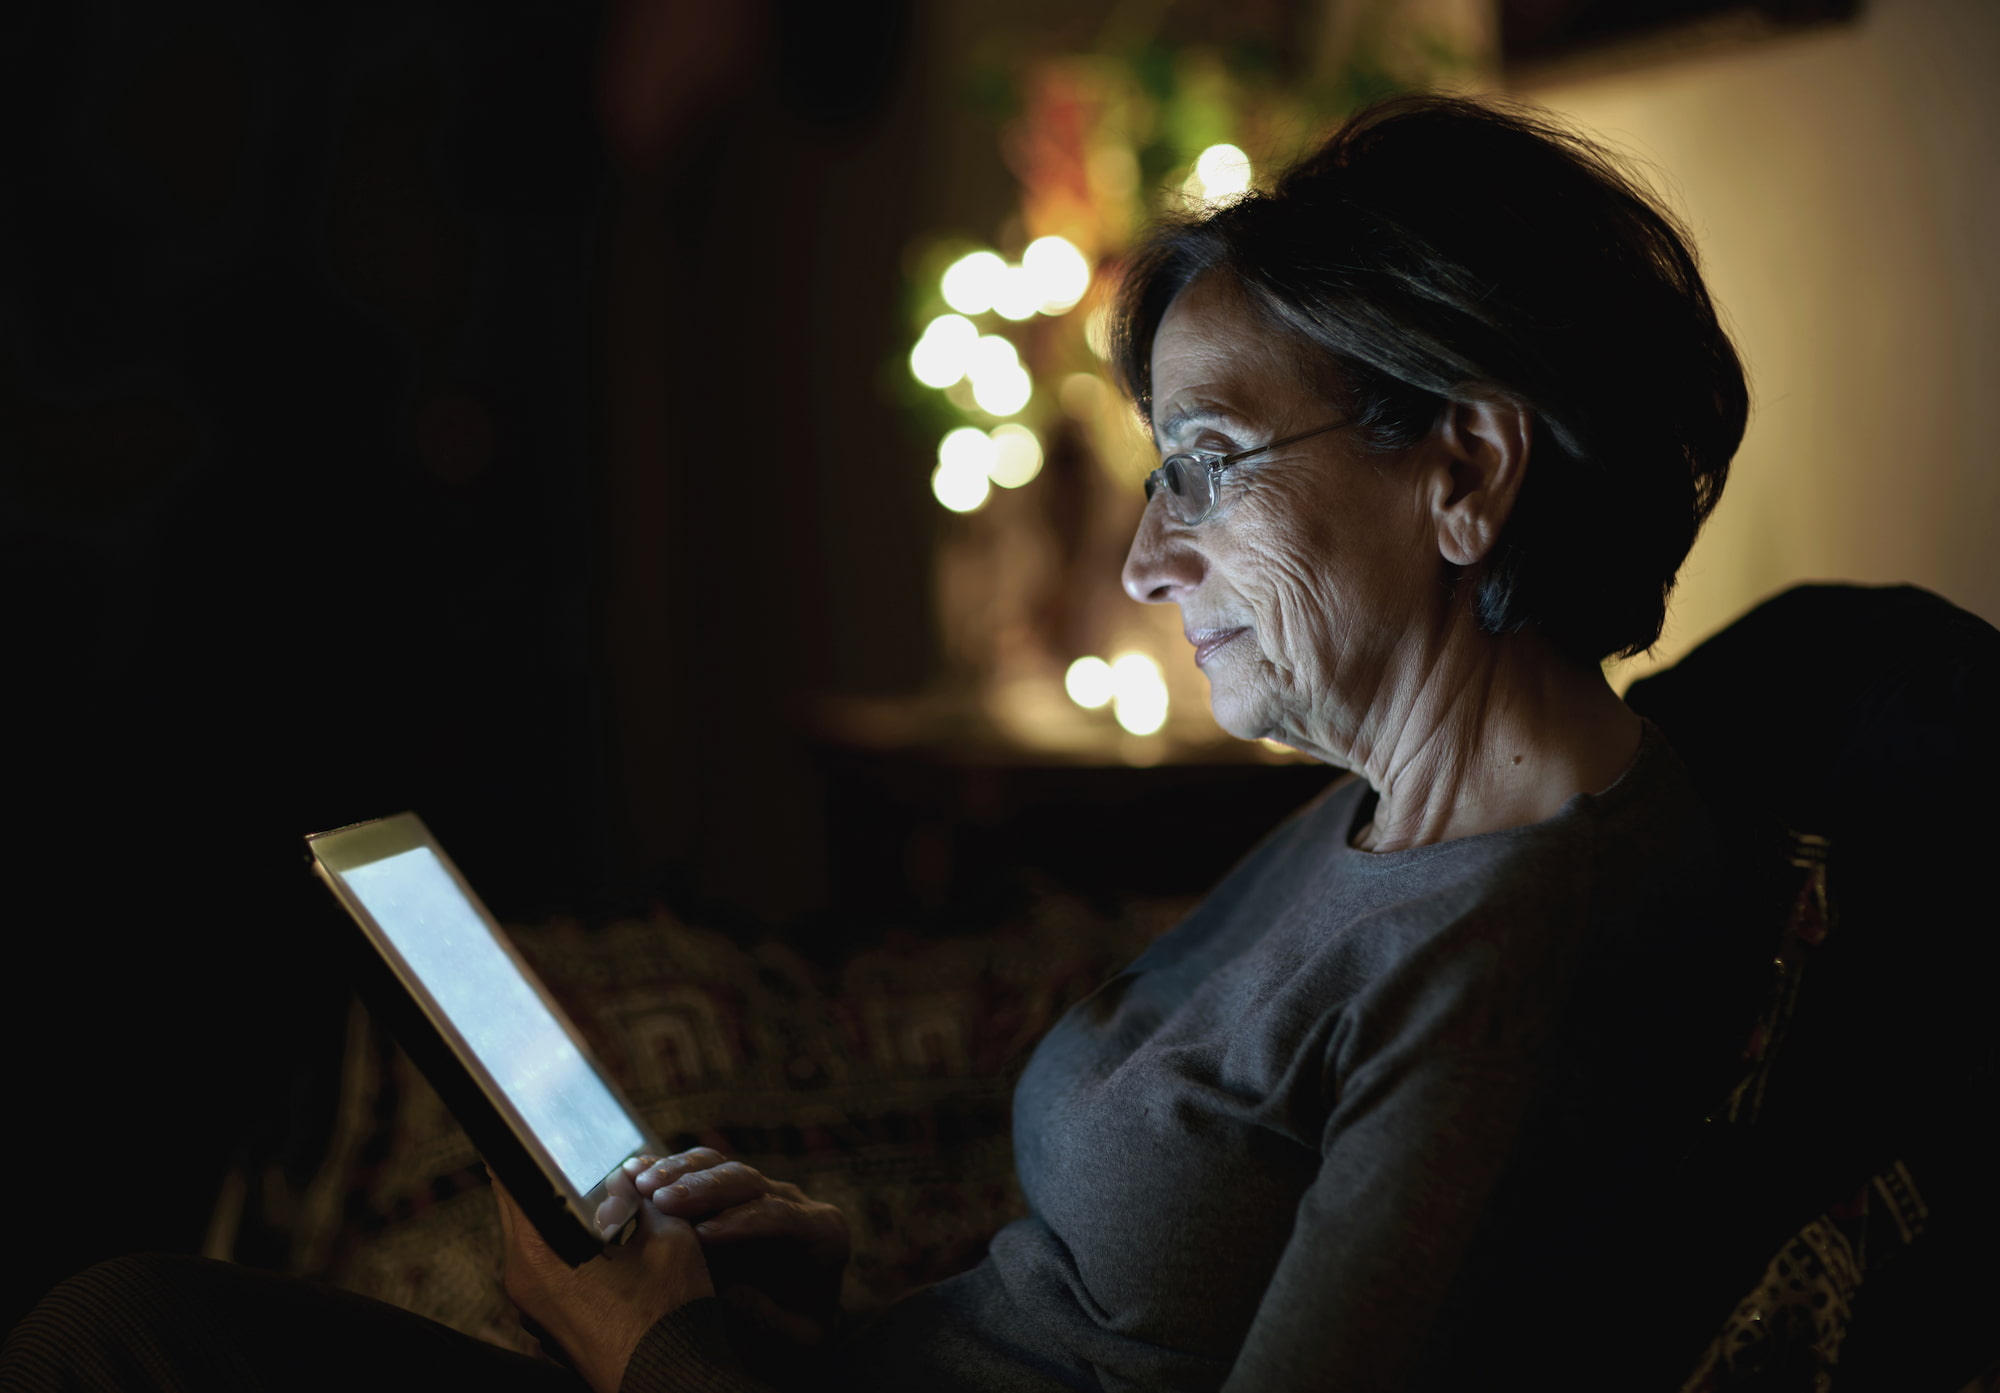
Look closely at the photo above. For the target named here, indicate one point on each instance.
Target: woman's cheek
(1302, 608)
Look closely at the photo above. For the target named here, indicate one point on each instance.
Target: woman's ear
(1480, 460)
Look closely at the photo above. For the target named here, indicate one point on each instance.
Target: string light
(960, 479)
(945, 350)
(1133, 685)
(1138, 693)
(1000, 385)
(1088, 682)
(1016, 295)
(1051, 277)
(1221, 174)
(1017, 455)
(971, 282)
(1058, 273)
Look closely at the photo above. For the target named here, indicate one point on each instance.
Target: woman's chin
(1240, 718)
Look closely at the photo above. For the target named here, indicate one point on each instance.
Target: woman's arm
(644, 1316)
(598, 1313)
(1364, 1294)
(777, 1255)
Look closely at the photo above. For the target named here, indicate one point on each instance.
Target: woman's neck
(1494, 733)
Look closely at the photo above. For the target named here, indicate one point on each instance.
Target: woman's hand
(777, 1254)
(597, 1312)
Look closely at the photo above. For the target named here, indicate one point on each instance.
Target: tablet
(438, 970)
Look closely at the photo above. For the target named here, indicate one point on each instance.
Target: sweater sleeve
(687, 1351)
(1411, 1162)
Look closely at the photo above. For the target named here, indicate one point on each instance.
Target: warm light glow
(1088, 682)
(959, 394)
(1003, 394)
(1015, 295)
(945, 351)
(967, 450)
(999, 383)
(1080, 392)
(1138, 693)
(958, 483)
(1017, 455)
(1225, 173)
(1097, 331)
(992, 354)
(971, 282)
(1058, 273)
(1113, 170)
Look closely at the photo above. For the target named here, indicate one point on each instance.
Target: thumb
(655, 1224)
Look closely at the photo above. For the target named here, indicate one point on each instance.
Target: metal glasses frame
(1181, 497)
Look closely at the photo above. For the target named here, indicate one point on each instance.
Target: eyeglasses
(1193, 480)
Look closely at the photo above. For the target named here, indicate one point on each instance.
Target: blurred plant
(1102, 140)
(1008, 338)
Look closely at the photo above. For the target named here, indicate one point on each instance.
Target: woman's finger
(621, 1202)
(667, 1169)
(700, 1193)
(821, 1228)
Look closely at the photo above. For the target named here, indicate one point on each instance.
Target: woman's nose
(1162, 564)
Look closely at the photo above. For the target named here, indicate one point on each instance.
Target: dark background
(494, 409)
(489, 409)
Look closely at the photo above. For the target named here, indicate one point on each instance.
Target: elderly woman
(1440, 417)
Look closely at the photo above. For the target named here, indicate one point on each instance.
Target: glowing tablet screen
(524, 1049)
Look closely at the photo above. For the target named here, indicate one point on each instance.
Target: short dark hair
(1445, 249)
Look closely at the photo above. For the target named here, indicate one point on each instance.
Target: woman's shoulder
(1495, 935)
(1492, 918)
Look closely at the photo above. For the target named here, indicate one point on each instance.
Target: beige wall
(1842, 186)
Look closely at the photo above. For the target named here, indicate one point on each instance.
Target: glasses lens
(1192, 487)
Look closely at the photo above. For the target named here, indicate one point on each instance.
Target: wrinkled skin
(707, 1226)
(596, 1313)
(1329, 571)
(1320, 599)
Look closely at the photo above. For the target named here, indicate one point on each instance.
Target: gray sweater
(1360, 1122)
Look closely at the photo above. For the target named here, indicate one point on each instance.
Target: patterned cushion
(882, 1087)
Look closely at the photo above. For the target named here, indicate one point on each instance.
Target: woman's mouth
(1208, 641)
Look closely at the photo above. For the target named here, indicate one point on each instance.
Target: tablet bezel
(565, 1216)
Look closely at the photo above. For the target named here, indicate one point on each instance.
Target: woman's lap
(166, 1321)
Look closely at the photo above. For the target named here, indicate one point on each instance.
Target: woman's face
(1315, 585)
